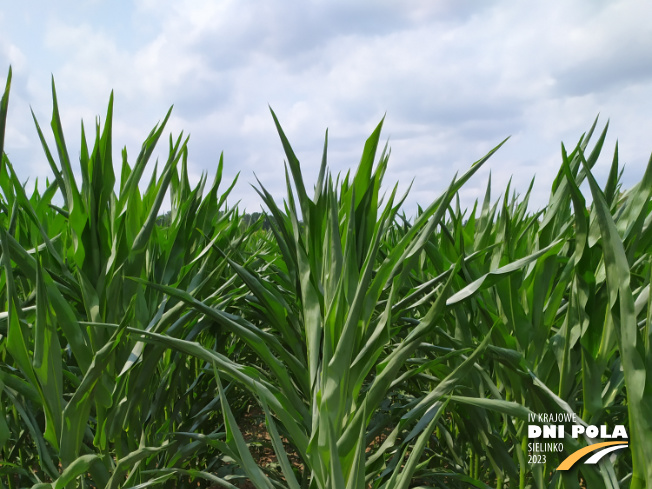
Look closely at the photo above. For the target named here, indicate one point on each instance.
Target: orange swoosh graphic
(575, 456)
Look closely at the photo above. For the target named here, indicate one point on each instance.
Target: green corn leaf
(621, 303)
(489, 279)
(4, 102)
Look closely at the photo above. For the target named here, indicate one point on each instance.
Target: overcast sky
(453, 77)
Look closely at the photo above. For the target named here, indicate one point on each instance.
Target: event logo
(552, 427)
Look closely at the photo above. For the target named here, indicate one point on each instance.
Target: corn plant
(518, 277)
(382, 351)
(79, 395)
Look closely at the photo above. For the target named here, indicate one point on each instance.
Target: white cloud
(454, 78)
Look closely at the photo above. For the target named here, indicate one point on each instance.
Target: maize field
(333, 343)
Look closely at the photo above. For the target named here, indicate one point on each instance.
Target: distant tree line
(164, 220)
(249, 219)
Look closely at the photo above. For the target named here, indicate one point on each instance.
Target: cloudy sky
(454, 78)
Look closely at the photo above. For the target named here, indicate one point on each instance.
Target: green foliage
(378, 351)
